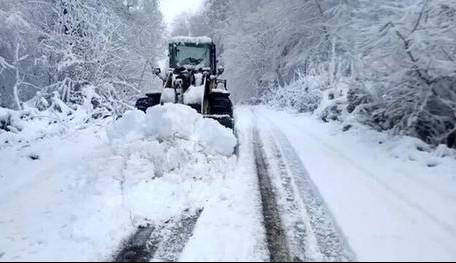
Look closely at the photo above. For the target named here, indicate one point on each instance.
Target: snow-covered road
(299, 189)
(311, 232)
(391, 200)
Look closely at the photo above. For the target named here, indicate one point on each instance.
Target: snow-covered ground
(393, 197)
(232, 228)
(76, 195)
(77, 190)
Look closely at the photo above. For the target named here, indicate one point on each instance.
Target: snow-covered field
(77, 190)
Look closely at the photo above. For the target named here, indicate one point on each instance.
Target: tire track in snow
(382, 183)
(330, 240)
(164, 242)
(310, 232)
(275, 234)
(175, 236)
(140, 247)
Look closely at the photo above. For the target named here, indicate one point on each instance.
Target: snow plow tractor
(193, 79)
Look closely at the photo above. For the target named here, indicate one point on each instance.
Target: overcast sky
(172, 8)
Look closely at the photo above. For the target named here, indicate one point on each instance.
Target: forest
(388, 64)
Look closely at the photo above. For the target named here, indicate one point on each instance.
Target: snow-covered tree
(397, 56)
(64, 45)
(407, 59)
(18, 39)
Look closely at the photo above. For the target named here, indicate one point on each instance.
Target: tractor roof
(191, 40)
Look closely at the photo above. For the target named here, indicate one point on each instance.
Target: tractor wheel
(220, 104)
(151, 100)
(221, 109)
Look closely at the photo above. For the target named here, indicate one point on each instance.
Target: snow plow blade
(225, 120)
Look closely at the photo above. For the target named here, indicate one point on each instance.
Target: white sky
(172, 8)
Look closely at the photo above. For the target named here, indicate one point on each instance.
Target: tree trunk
(17, 101)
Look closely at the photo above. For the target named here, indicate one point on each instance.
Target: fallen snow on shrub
(303, 95)
(172, 121)
(56, 119)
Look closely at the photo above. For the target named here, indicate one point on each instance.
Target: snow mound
(88, 195)
(171, 121)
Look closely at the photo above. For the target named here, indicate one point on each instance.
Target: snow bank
(85, 192)
(169, 121)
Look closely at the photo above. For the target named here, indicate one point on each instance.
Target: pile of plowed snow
(172, 121)
(78, 194)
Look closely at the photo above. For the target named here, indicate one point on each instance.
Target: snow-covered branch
(68, 44)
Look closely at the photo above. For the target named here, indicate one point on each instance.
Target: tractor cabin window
(194, 56)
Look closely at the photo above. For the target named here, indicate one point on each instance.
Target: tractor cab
(198, 54)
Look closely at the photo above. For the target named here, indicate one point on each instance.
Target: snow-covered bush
(358, 97)
(408, 59)
(303, 95)
(9, 121)
(424, 111)
(48, 116)
(88, 98)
